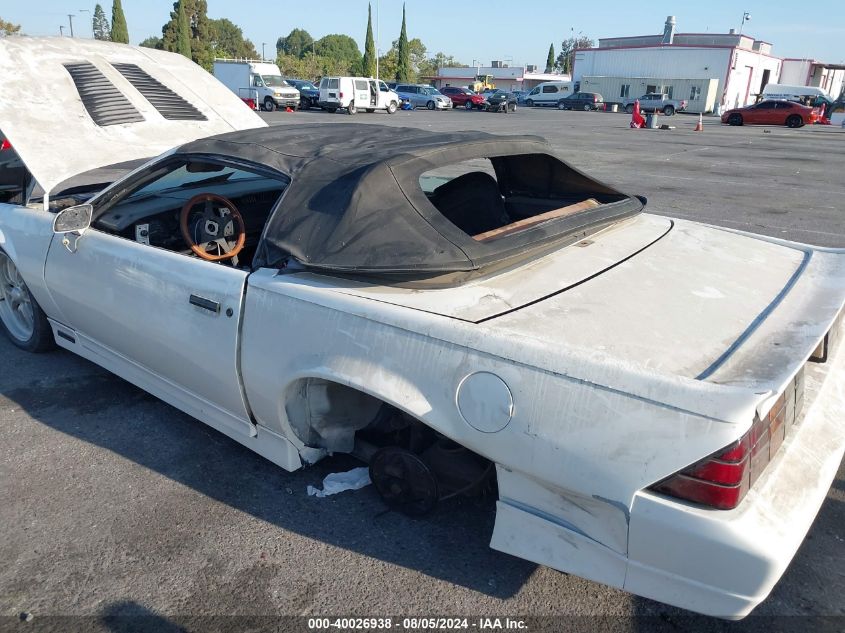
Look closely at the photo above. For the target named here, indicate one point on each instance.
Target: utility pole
(61, 31)
(70, 19)
(263, 44)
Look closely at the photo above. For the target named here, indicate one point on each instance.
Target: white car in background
(658, 403)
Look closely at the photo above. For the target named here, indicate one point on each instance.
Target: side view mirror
(73, 219)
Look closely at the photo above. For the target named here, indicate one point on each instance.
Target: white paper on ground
(338, 482)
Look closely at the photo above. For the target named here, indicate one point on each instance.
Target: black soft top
(355, 203)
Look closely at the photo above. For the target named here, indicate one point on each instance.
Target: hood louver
(104, 102)
(169, 104)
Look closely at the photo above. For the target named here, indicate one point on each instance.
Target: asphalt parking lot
(115, 504)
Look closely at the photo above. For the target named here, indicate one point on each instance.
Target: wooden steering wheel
(219, 217)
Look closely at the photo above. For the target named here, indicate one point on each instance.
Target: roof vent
(169, 104)
(669, 30)
(104, 102)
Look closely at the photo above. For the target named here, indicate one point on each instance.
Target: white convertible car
(655, 402)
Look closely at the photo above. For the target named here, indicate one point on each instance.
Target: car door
(761, 114)
(549, 94)
(362, 92)
(167, 321)
(417, 98)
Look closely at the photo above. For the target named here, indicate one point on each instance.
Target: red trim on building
(670, 46)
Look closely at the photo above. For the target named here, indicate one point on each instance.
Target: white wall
(687, 63)
(746, 77)
(794, 72)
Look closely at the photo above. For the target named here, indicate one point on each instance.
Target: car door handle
(205, 304)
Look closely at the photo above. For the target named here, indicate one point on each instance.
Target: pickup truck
(656, 102)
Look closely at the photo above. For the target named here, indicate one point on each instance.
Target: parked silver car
(424, 96)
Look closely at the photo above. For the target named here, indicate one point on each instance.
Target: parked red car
(786, 113)
(464, 97)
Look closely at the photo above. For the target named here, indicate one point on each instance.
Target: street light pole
(61, 31)
(745, 17)
(378, 50)
(91, 20)
(70, 19)
(263, 44)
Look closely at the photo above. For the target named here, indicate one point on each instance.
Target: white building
(504, 76)
(809, 72)
(712, 71)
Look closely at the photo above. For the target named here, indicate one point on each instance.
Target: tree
(7, 28)
(227, 40)
(119, 30)
(341, 48)
(403, 55)
(296, 43)
(368, 64)
(550, 60)
(100, 24)
(442, 60)
(567, 51)
(153, 42)
(200, 31)
(183, 31)
(388, 64)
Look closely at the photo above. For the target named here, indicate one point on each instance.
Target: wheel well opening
(412, 465)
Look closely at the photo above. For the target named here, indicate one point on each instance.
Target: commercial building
(809, 72)
(504, 76)
(712, 71)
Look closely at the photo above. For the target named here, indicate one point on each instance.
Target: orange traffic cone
(288, 109)
(699, 127)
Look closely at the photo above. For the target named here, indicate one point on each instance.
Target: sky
(473, 31)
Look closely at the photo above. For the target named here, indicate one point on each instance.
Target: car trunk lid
(674, 298)
(702, 303)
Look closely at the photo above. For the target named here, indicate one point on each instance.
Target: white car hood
(44, 118)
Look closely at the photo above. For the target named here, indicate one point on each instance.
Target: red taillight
(721, 480)
(5, 144)
(341, 95)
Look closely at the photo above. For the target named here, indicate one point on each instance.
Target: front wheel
(269, 104)
(529, 103)
(21, 318)
(351, 109)
(304, 104)
(468, 105)
(430, 105)
(794, 121)
(391, 107)
(561, 105)
(668, 110)
(735, 119)
(587, 107)
(629, 109)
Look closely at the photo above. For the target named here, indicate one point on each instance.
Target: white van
(548, 93)
(356, 93)
(793, 93)
(259, 84)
